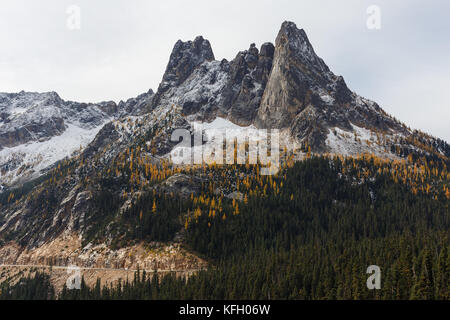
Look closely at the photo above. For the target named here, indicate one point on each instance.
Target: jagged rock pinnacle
(185, 57)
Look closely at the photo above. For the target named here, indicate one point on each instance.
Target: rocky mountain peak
(185, 57)
(291, 40)
(296, 69)
(267, 50)
(303, 95)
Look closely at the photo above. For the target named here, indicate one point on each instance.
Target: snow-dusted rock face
(29, 117)
(286, 86)
(303, 95)
(250, 71)
(205, 88)
(38, 129)
(202, 92)
(135, 106)
(184, 59)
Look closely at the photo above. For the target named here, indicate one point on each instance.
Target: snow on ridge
(359, 140)
(37, 156)
(73, 125)
(204, 84)
(218, 127)
(221, 126)
(218, 124)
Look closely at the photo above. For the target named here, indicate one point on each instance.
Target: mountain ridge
(39, 129)
(129, 156)
(286, 86)
(289, 87)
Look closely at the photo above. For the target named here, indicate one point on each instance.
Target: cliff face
(250, 71)
(302, 94)
(296, 73)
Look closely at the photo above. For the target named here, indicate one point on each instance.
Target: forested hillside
(309, 232)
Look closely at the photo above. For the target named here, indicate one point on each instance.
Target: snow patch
(218, 128)
(29, 159)
(359, 140)
(203, 86)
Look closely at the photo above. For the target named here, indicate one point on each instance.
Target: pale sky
(122, 47)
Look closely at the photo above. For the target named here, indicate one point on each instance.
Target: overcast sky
(122, 46)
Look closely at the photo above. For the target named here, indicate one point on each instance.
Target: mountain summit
(288, 87)
(303, 95)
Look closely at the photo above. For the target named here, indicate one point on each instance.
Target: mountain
(39, 129)
(305, 96)
(286, 87)
(119, 193)
(206, 88)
